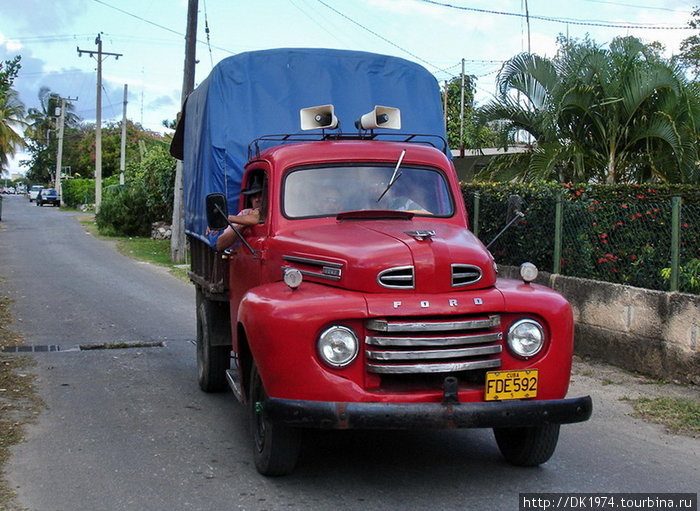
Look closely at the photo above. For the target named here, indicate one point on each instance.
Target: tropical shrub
(76, 192)
(147, 196)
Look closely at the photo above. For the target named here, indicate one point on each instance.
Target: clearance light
(292, 277)
(528, 272)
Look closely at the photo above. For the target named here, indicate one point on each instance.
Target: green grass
(679, 415)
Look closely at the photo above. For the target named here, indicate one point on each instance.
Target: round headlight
(338, 346)
(526, 338)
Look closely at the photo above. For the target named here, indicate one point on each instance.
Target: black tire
(212, 361)
(276, 447)
(529, 446)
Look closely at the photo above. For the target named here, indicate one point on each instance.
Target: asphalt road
(128, 429)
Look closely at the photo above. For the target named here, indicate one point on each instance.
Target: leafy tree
(618, 115)
(476, 134)
(690, 46)
(11, 112)
(79, 147)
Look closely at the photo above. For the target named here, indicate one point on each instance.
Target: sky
(149, 35)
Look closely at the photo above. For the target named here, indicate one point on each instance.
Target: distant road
(128, 429)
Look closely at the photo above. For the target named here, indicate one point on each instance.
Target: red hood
(416, 261)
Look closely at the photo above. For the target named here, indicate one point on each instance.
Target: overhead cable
(568, 21)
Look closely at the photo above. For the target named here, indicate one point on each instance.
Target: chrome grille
(465, 274)
(401, 277)
(433, 346)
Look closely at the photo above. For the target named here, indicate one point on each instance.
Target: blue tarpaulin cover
(260, 93)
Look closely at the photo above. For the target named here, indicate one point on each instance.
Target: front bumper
(335, 415)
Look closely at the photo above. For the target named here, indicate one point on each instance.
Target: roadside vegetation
(679, 415)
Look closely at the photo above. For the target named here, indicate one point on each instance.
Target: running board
(235, 384)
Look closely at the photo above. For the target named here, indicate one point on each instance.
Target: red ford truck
(361, 299)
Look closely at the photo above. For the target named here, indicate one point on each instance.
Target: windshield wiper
(395, 176)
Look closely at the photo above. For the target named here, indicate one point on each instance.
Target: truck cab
(362, 300)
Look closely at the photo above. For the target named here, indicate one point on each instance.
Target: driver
(246, 217)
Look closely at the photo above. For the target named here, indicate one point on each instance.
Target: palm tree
(11, 112)
(41, 122)
(616, 115)
(11, 119)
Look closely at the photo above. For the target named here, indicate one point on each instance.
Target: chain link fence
(654, 245)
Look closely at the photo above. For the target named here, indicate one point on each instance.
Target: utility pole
(122, 158)
(98, 117)
(461, 117)
(177, 239)
(59, 154)
(444, 106)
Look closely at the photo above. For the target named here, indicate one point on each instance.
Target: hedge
(616, 233)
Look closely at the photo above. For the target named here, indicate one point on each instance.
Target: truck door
(245, 268)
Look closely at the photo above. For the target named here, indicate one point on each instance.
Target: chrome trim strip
(433, 341)
(382, 325)
(313, 262)
(319, 275)
(329, 270)
(434, 354)
(433, 368)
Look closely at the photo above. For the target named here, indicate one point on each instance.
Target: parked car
(34, 191)
(48, 196)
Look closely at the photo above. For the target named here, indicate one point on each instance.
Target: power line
(636, 6)
(206, 30)
(568, 21)
(172, 31)
(379, 36)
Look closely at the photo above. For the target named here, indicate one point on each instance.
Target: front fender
(282, 325)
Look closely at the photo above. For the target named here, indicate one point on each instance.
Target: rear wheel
(527, 446)
(276, 447)
(212, 360)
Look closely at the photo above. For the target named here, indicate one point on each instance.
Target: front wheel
(276, 447)
(212, 360)
(527, 446)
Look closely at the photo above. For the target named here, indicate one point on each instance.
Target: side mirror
(217, 216)
(515, 206)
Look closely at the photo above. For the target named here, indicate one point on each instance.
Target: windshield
(327, 191)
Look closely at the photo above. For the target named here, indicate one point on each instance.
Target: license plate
(502, 385)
